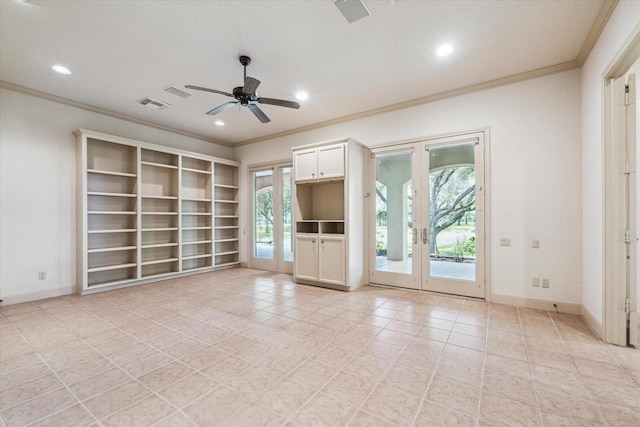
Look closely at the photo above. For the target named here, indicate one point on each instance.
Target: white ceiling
(120, 52)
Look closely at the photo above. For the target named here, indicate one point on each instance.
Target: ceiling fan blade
(250, 86)
(221, 108)
(206, 89)
(278, 102)
(259, 113)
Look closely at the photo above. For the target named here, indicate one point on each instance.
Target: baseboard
(34, 296)
(538, 304)
(594, 323)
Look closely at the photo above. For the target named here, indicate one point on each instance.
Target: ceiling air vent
(152, 103)
(177, 92)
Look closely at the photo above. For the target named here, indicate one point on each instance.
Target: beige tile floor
(243, 347)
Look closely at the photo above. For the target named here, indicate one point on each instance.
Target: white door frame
(414, 144)
(447, 285)
(614, 320)
(277, 264)
(412, 280)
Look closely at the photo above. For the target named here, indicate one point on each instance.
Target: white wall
(535, 173)
(38, 188)
(621, 24)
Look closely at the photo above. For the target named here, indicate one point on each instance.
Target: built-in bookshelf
(148, 212)
(225, 226)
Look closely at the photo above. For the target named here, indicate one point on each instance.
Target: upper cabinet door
(305, 164)
(331, 161)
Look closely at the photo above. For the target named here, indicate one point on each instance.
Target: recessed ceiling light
(302, 96)
(219, 123)
(61, 69)
(444, 50)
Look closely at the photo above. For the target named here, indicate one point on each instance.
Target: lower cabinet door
(306, 256)
(332, 260)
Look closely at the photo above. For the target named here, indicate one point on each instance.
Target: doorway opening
(271, 237)
(620, 319)
(427, 214)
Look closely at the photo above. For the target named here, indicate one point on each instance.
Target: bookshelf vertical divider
(147, 212)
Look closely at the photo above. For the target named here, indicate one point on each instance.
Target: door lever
(424, 236)
(415, 236)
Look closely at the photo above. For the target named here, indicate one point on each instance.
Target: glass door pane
(452, 212)
(393, 216)
(287, 213)
(263, 215)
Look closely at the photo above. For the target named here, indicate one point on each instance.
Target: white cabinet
(306, 256)
(305, 165)
(331, 260)
(329, 207)
(320, 163)
(331, 162)
(147, 212)
(320, 259)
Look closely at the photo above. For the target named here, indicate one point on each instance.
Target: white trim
(90, 134)
(594, 323)
(537, 304)
(516, 78)
(38, 295)
(614, 281)
(87, 107)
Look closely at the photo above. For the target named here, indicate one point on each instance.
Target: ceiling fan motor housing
(243, 97)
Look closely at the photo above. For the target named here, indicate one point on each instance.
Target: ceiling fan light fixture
(219, 123)
(301, 96)
(444, 50)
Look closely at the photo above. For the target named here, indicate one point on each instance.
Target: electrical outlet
(42, 275)
(505, 241)
(535, 244)
(535, 282)
(545, 283)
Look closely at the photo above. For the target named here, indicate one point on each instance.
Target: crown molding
(599, 23)
(65, 101)
(528, 75)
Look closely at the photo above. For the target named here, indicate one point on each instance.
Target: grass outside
(447, 239)
(455, 235)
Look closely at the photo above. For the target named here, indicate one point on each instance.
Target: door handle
(424, 236)
(415, 236)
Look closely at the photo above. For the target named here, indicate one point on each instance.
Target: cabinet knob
(321, 173)
(313, 175)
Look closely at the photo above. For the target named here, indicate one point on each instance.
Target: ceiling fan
(246, 96)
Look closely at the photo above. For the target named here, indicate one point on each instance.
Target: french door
(428, 215)
(271, 237)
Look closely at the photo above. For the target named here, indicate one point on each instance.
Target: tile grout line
(591, 394)
(533, 382)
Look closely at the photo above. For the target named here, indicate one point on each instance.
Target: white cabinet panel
(331, 162)
(306, 256)
(305, 164)
(332, 260)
